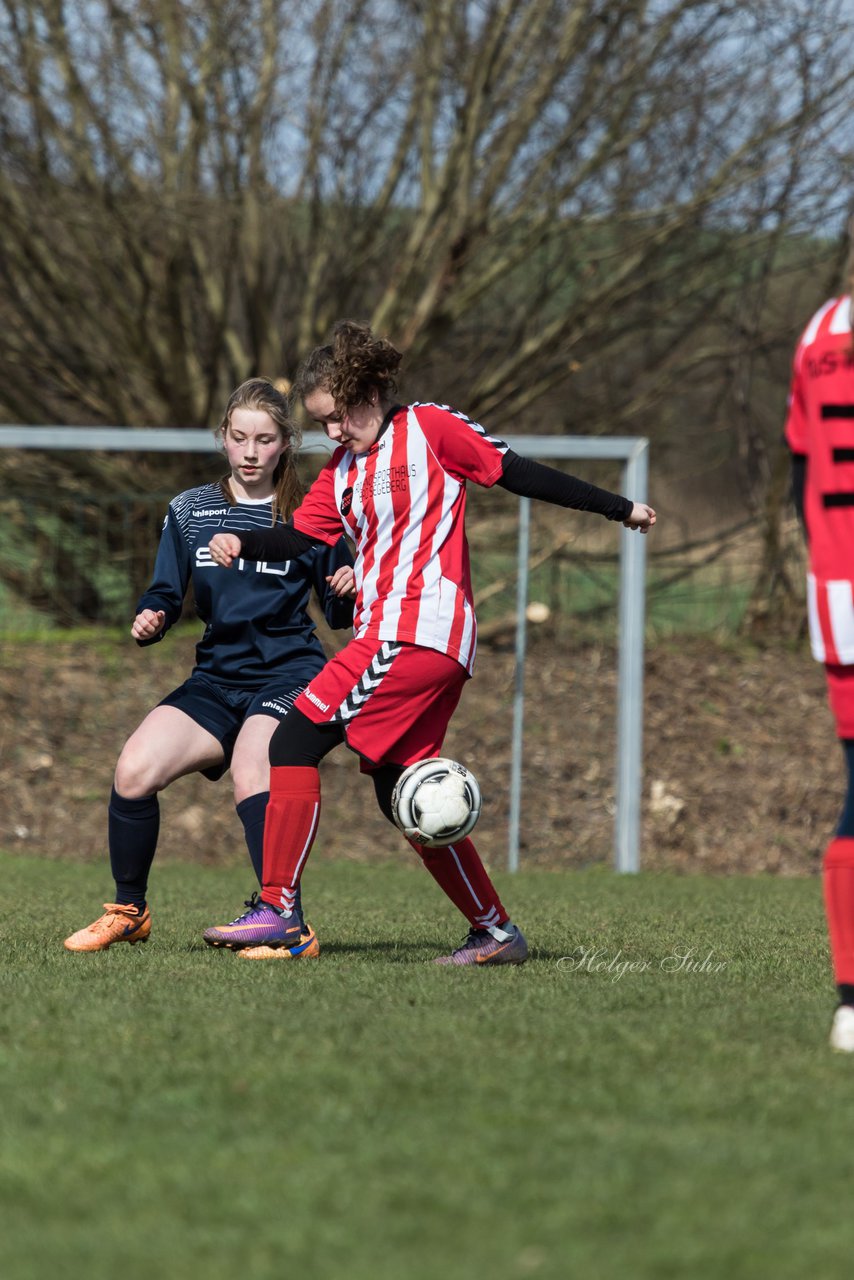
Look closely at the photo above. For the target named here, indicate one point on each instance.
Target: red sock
(290, 826)
(838, 874)
(459, 872)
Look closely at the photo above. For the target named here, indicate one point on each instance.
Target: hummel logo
(369, 680)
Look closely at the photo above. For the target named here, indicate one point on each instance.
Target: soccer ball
(436, 802)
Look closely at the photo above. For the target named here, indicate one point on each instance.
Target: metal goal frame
(633, 455)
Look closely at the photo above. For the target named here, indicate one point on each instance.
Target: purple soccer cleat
(261, 925)
(505, 945)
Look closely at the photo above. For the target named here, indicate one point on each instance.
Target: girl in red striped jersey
(396, 485)
(820, 434)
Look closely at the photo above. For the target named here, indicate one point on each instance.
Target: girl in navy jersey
(820, 434)
(396, 485)
(259, 648)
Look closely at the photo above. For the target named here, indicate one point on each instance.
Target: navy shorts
(222, 710)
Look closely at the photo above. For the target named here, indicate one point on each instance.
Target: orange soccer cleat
(120, 923)
(308, 948)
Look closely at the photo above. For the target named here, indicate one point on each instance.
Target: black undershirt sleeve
(531, 479)
(522, 476)
(282, 542)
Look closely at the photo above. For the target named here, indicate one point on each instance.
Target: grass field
(171, 1110)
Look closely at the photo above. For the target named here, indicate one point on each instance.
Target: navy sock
(251, 812)
(133, 827)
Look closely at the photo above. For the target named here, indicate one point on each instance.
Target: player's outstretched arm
(279, 542)
(642, 517)
(147, 624)
(225, 549)
(530, 479)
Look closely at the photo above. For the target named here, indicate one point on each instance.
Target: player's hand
(343, 581)
(224, 549)
(148, 624)
(642, 517)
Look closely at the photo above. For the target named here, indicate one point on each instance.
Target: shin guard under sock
(461, 875)
(838, 878)
(252, 813)
(293, 813)
(133, 827)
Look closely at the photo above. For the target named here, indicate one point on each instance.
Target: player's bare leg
(165, 746)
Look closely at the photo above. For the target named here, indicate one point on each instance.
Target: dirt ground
(742, 771)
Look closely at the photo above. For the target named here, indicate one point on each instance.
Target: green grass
(706, 602)
(171, 1110)
(19, 618)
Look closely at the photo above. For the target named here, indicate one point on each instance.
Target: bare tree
(191, 194)
(586, 210)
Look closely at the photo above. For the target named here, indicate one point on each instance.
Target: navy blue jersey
(257, 625)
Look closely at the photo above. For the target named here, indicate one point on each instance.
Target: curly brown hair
(354, 366)
(261, 393)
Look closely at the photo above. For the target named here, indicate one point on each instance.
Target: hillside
(741, 767)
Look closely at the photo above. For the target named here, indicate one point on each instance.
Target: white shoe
(842, 1031)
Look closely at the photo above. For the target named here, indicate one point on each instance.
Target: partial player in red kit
(820, 434)
(396, 485)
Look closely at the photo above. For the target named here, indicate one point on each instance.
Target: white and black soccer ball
(436, 802)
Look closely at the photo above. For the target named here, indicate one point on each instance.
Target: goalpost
(634, 456)
(632, 453)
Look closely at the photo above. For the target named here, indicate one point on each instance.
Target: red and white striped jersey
(820, 426)
(403, 504)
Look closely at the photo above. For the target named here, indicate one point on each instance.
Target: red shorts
(393, 700)
(840, 690)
